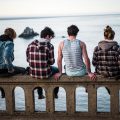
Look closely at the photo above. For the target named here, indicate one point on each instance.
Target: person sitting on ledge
(106, 56)
(7, 55)
(40, 56)
(73, 51)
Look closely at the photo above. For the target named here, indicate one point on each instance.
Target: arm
(94, 60)
(87, 61)
(59, 61)
(27, 56)
(85, 56)
(119, 57)
(51, 59)
(60, 56)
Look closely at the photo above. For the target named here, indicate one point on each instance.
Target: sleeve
(27, 54)
(95, 57)
(51, 59)
(119, 57)
(9, 55)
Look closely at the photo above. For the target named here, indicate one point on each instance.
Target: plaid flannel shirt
(107, 63)
(40, 55)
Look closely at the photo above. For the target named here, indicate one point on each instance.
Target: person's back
(73, 51)
(72, 54)
(40, 56)
(6, 51)
(106, 57)
(7, 56)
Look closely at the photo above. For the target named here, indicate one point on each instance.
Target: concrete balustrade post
(92, 99)
(114, 93)
(70, 99)
(29, 99)
(10, 99)
(50, 105)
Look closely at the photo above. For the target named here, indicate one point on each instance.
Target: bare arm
(60, 56)
(85, 56)
(59, 61)
(87, 61)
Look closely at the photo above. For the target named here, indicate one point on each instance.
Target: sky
(10, 8)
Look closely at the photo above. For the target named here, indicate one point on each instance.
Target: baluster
(50, 105)
(92, 99)
(10, 99)
(29, 99)
(70, 94)
(114, 92)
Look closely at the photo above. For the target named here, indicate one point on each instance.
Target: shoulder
(82, 44)
(50, 45)
(116, 46)
(9, 43)
(33, 43)
(96, 48)
(119, 48)
(61, 44)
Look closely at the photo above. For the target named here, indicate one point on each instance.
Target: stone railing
(69, 84)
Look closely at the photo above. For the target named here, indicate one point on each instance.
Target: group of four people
(40, 56)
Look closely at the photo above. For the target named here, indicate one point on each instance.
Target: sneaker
(56, 96)
(3, 95)
(41, 97)
(108, 91)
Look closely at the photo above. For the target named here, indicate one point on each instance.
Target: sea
(91, 32)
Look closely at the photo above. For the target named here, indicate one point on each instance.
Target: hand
(57, 76)
(92, 76)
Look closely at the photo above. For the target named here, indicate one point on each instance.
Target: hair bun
(108, 27)
(108, 32)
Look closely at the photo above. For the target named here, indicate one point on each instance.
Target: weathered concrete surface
(69, 84)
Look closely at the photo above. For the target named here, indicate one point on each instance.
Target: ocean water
(91, 32)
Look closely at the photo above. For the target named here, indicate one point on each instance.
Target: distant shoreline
(41, 17)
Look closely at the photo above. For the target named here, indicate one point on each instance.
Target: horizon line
(53, 16)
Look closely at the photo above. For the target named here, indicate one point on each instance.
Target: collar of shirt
(43, 40)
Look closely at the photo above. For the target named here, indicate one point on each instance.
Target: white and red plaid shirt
(40, 56)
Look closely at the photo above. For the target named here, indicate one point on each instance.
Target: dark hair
(72, 30)
(47, 31)
(109, 33)
(10, 32)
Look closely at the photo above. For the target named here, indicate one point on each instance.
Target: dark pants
(4, 73)
(2, 93)
(17, 70)
(40, 91)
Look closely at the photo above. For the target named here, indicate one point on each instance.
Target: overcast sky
(10, 8)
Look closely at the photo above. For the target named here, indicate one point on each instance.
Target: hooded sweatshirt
(106, 58)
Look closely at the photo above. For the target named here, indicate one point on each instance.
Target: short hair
(10, 32)
(72, 30)
(47, 31)
(109, 33)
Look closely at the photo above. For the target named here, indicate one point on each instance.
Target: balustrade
(69, 84)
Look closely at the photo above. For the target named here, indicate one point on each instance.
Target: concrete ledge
(8, 84)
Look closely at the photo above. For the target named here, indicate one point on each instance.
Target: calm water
(91, 32)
